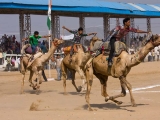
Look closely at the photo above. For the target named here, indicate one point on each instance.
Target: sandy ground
(51, 104)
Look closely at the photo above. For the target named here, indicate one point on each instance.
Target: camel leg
(89, 79)
(81, 73)
(64, 76)
(124, 83)
(129, 86)
(122, 94)
(103, 80)
(30, 79)
(22, 83)
(73, 81)
(38, 76)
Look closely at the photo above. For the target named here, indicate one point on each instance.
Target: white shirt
(58, 62)
(156, 49)
(149, 53)
(18, 60)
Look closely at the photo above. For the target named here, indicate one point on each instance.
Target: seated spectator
(14, 39)
(9, 51)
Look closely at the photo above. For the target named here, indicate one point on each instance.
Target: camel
(37, 65)
(77, 64)
(120, 69)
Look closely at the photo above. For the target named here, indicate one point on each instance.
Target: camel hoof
(106, 99)
(79, 89)
(90, 109)
(134, 105)
(34, 88)
(84, 90)
(119, 102)
(65, 93)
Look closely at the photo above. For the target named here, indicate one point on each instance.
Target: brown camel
(120, 69)
(37, 65)
(79, 60)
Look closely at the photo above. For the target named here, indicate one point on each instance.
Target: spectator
(156, 49)
(149, 57)
(58, 66)
(153, 55)
(13, 61)
(8, 66)
(14, 39)
(4, 55)
(9, 51)
(18, 62)
(1, 57)
(131, 50)
(52, 63)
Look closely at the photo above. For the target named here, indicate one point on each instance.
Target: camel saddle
(67, 50)
(37, 55)
(105, 48)
(33, 57)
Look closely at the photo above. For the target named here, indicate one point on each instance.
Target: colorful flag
(49, 15)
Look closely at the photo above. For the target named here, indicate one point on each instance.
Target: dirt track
(51, 104)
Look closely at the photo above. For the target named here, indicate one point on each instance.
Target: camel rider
(77, 37)
(117, 34)
(33, 40)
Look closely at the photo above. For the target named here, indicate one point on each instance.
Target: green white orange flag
(49, 15)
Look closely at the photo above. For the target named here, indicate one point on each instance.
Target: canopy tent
(87, 7)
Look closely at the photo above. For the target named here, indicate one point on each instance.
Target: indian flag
(49, 15)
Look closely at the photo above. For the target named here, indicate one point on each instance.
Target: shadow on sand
(111, 106)
(74, 93)
(34, 91)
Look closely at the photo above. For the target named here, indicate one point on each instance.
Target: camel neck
(138, 57)
(46, 57)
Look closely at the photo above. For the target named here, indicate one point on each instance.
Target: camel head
(57, 42)
(94, 39)
(155, 40)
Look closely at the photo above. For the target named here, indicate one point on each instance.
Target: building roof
(96, 7)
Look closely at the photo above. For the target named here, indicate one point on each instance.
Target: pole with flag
(49, 32)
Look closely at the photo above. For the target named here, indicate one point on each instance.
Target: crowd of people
(9, 44)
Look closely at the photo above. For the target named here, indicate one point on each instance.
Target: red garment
(123, 32)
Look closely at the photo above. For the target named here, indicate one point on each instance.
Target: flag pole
(49, 32)
(49, 66)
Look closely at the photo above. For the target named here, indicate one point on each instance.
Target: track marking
(147, 92)
(144, 88)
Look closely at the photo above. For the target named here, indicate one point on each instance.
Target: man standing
(58, 66)
(156, 49)
(77, 37)
(117, 34)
